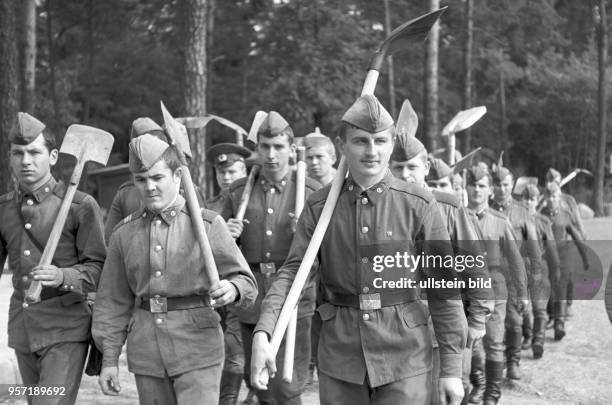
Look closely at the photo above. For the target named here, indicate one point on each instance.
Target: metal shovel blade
(463, 120)
(415, 30)
(260, 117)
(407, 120)
(177, 133)
(87, 144)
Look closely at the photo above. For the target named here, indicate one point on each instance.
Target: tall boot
(477, 377)
(513, 354)
(230, 388)
(494, 371)
(560, 308)
(537, 345)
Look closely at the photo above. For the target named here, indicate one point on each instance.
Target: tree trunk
(90, 62)
(56, 121)
(194, 21)
(602, 52)
(431, 124)
(391, 81)
(467, 69)
(503, 121)
(8, 85)
(28, 55)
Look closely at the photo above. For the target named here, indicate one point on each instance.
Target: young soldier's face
(503, 190)
(443, 184)
(274, 155)
(319, 161)
(31, 163)
(532, 203)
(479, 191)
(412, 171)
(158, 186)
(367, 155)
(228, 174)
(553, 200)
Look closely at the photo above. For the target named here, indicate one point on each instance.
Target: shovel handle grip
(246, 193)
(370, 82)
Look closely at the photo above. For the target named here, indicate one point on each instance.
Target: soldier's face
(31, 163)
(367, 155)
(478, 192)
(503, 190)
(158, 186)
(532, 203)
(443, 184)
(412, 171)
(274, 155)
(227, 175)
(553, 200)
(319, 161)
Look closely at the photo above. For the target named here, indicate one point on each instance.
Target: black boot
(559, 329)
(230, 388)
(494, 371)
(477, 378)
(513, 354)
(537, 345)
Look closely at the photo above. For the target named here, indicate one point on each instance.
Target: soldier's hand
(235, 227)
(263, 363)
(48, 275)
(109, 380)
(474, 335)
(523, 305)
(450, 391)
(223, 293)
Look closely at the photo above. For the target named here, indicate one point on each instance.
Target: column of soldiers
(190, 341)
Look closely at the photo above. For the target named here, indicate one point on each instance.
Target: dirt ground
(577, 370)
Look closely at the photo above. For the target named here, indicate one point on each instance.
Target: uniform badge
(267, 269)
(158, 304)
(368, 302)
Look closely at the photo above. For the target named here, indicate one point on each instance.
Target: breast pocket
(415, 315)
(204, 317)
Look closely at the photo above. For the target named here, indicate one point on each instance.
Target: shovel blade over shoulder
(87, 144)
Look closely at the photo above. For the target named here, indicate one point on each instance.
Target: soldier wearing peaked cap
(50, 338)
(229, 160)
(374, 346)
(164, 304)
(412, 165)
(264, 238)
(507, 270)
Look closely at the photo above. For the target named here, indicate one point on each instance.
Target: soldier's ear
(178, 173)
(53, 157)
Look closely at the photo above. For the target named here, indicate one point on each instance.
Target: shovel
(86, 144)
(201, 122)
(460, 122)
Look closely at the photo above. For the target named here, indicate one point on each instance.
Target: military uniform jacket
(569, 202)
(548, 245)
(158, 254)
(563, 227)
(63, 314)
(502, 251)
(393, 342)
(267, 235)
(216, 203)
(466, 241)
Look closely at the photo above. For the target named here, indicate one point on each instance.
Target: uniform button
(365, 290)
(144, 214)
(28, 226)
(269, 232)
(263, 182)
(364, 260)
(365, 229)
(158, 248)
(283, 182)
(158, 274)
(46, 189)
(26, 252)
(272, 190)
(157, 221)
(364, 200)
(24, 278)
(268, 255)
(270, 211)
(350, 187)
(72, 287)
(30, 202)
(25, 305)
(66, 286)
(379, 190)
(366, 317)
(159, 321)
(172, 213)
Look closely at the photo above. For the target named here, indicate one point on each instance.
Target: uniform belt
(370, 301)
(165, 304)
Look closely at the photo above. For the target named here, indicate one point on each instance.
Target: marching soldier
(320, 157)
(507, 270)
(50, 338)
(264, 238)
(534, 327)
(525, 232)
(374, 346)
(164, 304)
(229, 160)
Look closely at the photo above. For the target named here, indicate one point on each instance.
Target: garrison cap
(275, 125)
(406, 148)
(552, 188)
(226, 154)
(553, 175)
(438, 169)
(145, 125)
(499, 173)
(531, 190)
(145, 151)
(368, 113)
(317, 139)
(25, 129)
(476, 173)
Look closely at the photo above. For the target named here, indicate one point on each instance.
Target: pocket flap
(415, 314)
(70, 298)
(204, 317)
(327, 311)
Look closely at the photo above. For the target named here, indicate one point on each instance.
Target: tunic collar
(40, 193)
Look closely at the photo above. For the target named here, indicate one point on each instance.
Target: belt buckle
(267, 269)
(158, 304)
(368, 302)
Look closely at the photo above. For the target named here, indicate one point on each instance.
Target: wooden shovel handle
(246, 193)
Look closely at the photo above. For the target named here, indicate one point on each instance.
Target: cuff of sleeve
(110, 358)
(264, 326)
(242, 300)
(451, 365)
(72, 280)
(477, 321)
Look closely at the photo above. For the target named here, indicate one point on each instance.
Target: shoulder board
(60, 191)
(208, 215)
(319, 195)
(128, 183)
(412, 189)
(446, 198)
(237, 184)
(497, 214)
(7, 197)
(132, 217)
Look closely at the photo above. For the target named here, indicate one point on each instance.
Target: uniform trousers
(413, 390)
(491, 346)
(199, 386)
(60, 364)
(280, 392)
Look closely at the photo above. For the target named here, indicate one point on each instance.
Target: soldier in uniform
(525, 232)
(507, 270)
(264, 238)
(563, 228)
(164, 304)
(229, 162)
(50, 338)
(375, 346)
(320, 157)
(534, 324)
